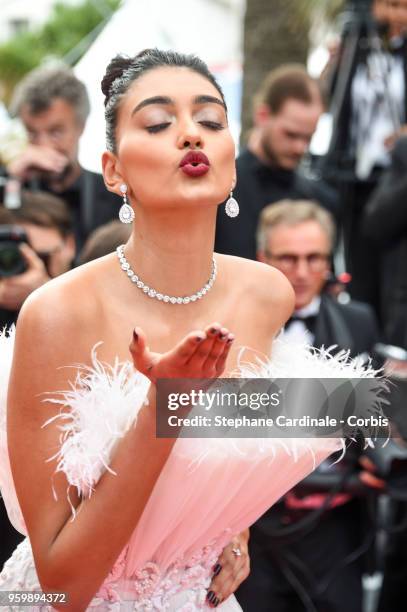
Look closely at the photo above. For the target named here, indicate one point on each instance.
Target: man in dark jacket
(53, 106)
(287, 110)
(385, 222)
(302, 548)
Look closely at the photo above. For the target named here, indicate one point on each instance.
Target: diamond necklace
(152, 293)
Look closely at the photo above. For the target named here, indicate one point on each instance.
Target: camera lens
(11, 260)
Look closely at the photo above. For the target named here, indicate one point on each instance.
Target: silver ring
(237, 552)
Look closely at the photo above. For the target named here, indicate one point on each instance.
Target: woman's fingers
(187, 347)
(204, 360)
(235, 582)
(229, 571)
(199, 357)
(221, 361)
(233, 577)
(215, 362)
(143, 358)
(201, 354)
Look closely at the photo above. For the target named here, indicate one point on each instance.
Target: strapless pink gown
(208, 491)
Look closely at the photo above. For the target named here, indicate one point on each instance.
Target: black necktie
(308, 321)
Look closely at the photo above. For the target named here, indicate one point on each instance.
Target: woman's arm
(75, 556)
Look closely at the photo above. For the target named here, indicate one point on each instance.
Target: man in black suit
(53, 106)
(385, 222)
(287, 109)
(301, 549)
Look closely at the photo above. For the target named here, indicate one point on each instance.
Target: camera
(12, 261)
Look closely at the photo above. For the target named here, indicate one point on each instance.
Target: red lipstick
(195, 163)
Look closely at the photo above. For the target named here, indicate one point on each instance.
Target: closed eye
(157, 128)
(212, 125)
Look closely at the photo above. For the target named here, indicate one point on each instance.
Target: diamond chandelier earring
(231, 206)
(126, 213)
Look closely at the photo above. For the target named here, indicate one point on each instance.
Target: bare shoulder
(59, 318)
(268, 288)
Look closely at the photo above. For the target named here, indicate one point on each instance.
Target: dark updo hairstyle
(122, 71)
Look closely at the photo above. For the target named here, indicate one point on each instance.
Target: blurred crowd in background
(334, 224)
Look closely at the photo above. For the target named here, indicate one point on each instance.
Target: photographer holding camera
(367, 85)
(53, 106)
(36, 244)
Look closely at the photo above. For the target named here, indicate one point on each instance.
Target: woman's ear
(111, 172)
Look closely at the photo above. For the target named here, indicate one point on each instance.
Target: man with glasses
(313, 567)
(53, 106)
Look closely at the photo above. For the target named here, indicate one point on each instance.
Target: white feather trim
(96, 412)
(300, 360)
(103, 402)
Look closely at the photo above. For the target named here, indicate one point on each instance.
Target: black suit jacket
(91, 204)
(385, 221)
(257, 186)
(351, 326)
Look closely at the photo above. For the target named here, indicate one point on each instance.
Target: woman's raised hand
(201, 354)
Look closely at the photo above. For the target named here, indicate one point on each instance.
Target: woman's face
(166, 114)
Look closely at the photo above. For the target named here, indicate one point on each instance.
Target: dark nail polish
(198, 339)
(135, 336)
(217, 569)
(216, 602)
(211, 596)
(213, 330)
(230, 339)
(222, 336)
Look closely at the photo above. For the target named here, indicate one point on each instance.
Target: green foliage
(329, 9)
(66, 27)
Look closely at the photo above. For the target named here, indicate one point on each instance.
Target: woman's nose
(191, 142)
(190, 136)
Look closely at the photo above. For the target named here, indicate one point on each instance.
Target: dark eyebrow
(167, 101)
(206, 99)
(153, 100)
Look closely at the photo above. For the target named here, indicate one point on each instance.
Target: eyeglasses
(316, 262)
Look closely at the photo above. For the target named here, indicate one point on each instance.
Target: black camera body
(12, 261)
